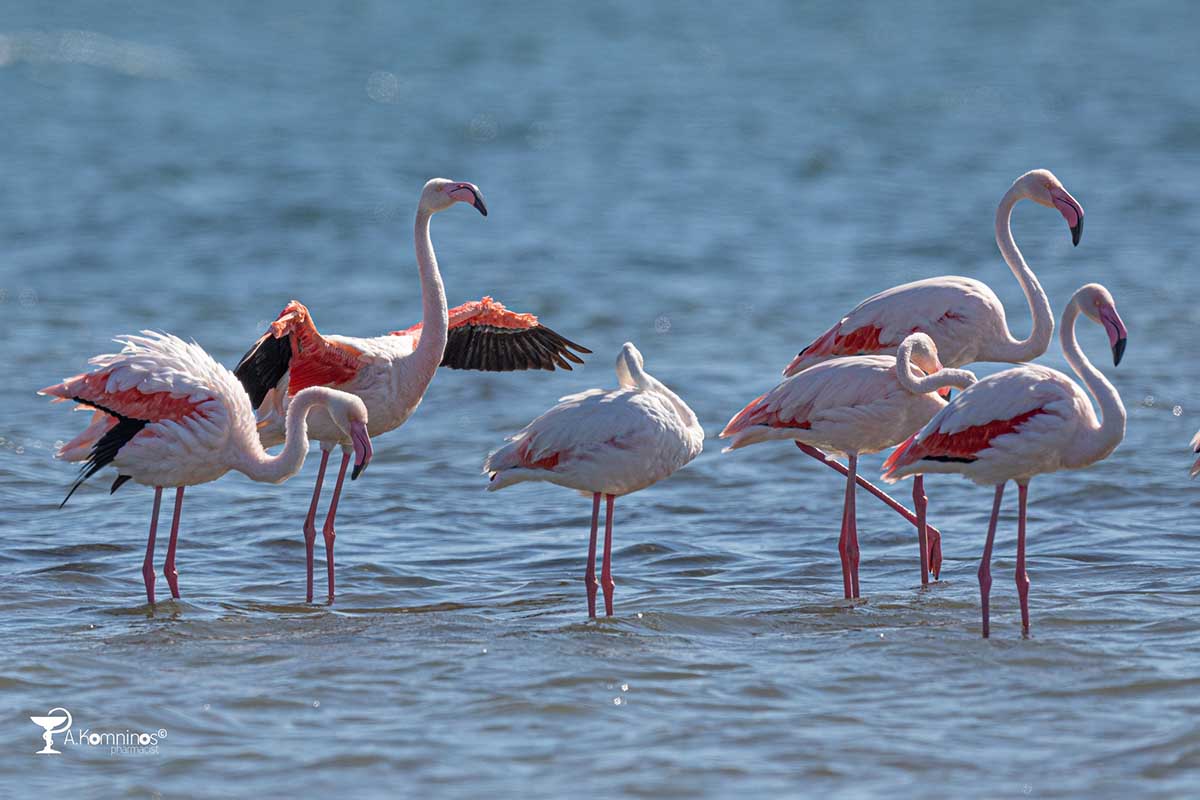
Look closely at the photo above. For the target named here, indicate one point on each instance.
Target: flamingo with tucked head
(1025, 421)
(167, 414)
(854, 405)
(391, 372)
(603, 442)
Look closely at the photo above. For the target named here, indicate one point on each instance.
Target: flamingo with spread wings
(391, 372)
(1025, 421)
(167, 414)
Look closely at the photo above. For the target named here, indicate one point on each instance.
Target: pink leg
(844, 547)
(853, 524)
(589, 579)
(310, 524)
(606, 581)
(148, 564)
(919, 503)
(1022, 576)
(985, 563)
(934, 535)
(169, 571)
(328, 530)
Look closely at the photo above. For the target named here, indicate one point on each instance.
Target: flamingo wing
(832, 390)
(581, 425)
(987, 415)
(938, 307)
(294, 349)
(158, 386)
(484, 335)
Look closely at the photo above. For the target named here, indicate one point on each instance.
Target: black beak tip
(1077, 232)
(480, 206)
(358, 468)
(1118, 352)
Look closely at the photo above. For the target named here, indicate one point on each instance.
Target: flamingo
(963, 316)
(390, 373)
(167, 414)
(854, 405)
(1025, 421)
(603, 442)
(1196, 449)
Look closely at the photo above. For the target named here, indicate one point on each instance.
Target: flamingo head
(629, 363)
(1096, 302)
(439, 194)
(1042, 187)
(922, 353)
(349, 413)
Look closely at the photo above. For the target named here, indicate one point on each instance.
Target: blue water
(716, 183)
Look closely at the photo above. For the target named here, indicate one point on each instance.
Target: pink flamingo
(606, 443)
(854, 405)
(1196, 449)
(390, 373)
(167, 414)
(963, 316)
(1024, 421)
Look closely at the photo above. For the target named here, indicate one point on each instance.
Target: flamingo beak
(1116, 331)
(476, 198)
(1071, 210)
(362, 448)
(945, 393)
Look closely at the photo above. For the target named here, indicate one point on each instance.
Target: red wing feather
(961, 445)
(316, 361)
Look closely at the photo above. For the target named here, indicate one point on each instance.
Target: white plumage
(608, 441)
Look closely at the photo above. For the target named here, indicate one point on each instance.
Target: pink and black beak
(476, 198)
(362, 448)
(1072, 212)
(1116, 331)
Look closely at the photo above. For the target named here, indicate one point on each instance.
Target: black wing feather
(263, 366)
(106, 447)
(493, 349)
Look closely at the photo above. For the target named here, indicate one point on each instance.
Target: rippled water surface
(716, 184)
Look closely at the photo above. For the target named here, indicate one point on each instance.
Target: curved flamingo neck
(1104, 435)
(435, 320)
(915, 383)
(1013, 349)
(632, 375)
(259, 465)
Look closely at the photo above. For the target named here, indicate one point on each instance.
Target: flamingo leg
(985, 563)
(148, 564)
(606, 580)
(934, 535)
(848, 543)
(310, 524)
(853, 525)
(919, 503)
(169, 571)
(1022, 576)
(327, 530)
(589, 578)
